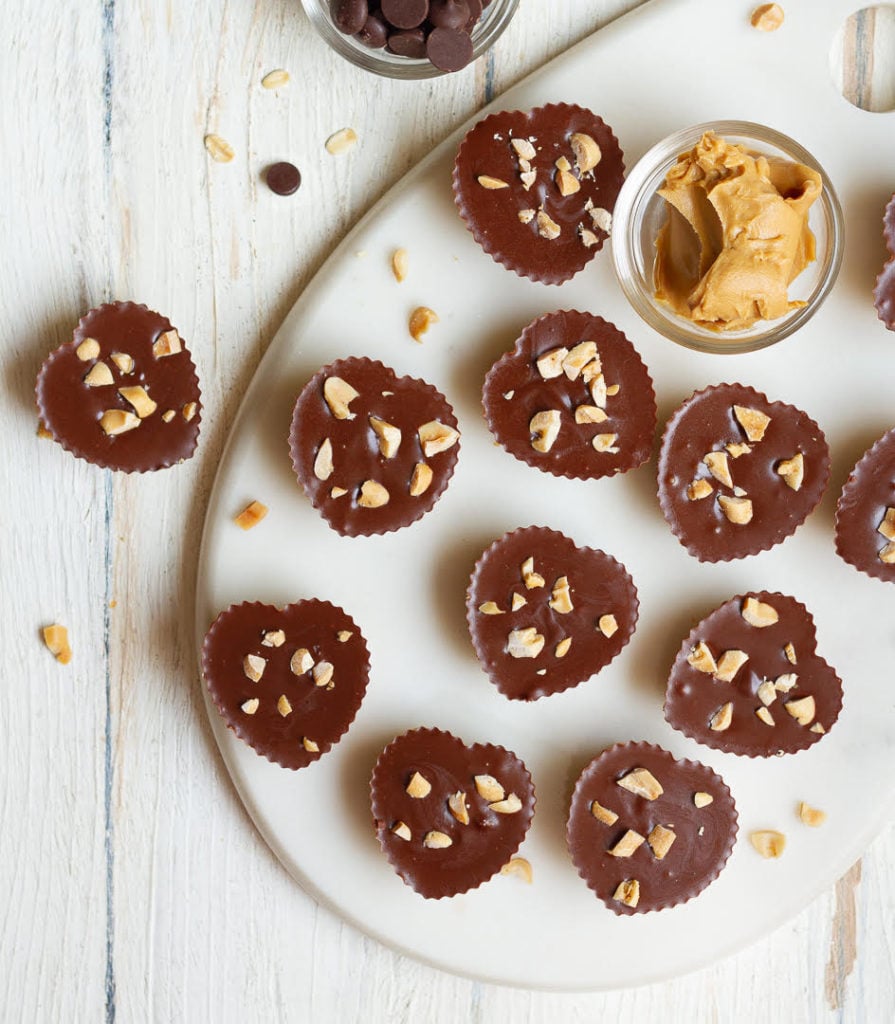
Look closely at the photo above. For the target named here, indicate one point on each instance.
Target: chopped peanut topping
(389, 437)
(436, 437)
(802, 710)
(759, 613)
(562, 648)
(273, 638)
(547, 227)
(737, 510)
(699, 489)
(301, 662)
(628, 892)
(489, 788)
(607, 625)
(118, 421)
(602, 813)
(550, 364)
(323, 462)
(765, 716)
(718, 467)
(524, 643)
(722, 718)
(660, 840)
(99, 376)
(339, 394)
(587, 152)
(561, 598)
(511, 805)
(167, 344)
(628, 843)
(457, 807)
(250, 706)
(700, 657)
(437, 841)
(490, 608)
(753, 422)
(641, 782)
(402, 831)
(702, 799)
(729, 664)
(544, 426)
(253, 666)
(87, 350)
(793, 471)
(372, 495)
(492, 184)
(418, 787)
(283, 706)
(420, 480)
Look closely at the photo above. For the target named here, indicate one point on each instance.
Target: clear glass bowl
(640, 211)
(495, 18)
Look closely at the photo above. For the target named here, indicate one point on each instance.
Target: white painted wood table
(134, 886)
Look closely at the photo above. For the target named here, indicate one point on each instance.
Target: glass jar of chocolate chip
(410, 38)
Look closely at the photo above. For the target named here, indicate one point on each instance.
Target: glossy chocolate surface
(598, 586)
(695, 697)
(402, 402)
(515, 391)
(479, 848)
(319, 711)
(704, 836)
(71, 409)
(492, 215)
(861, 510)
(706, 423)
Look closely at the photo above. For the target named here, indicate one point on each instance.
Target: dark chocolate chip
(374, 33)
(411, 43)
(283, 178)
(405, 13)
(349, 16)
(449, 13)
(449, 49)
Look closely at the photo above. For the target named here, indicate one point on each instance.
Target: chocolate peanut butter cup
(373, 451)
(449, 816)
(288, 681)
(537, 188)
(573, 398)
(865, 512)
(748, 679)
(123, 393)
(544, 614)
(648, 832)
(739, 473)
(884, 292)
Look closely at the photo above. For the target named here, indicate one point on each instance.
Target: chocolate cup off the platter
(865, 512)
(884, 292)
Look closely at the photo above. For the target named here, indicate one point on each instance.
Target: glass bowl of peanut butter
(727, 236)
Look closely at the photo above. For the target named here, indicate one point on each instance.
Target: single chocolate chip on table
(283, 178)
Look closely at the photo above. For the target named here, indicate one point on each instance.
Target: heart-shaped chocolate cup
(573, 398)
(544, 614)
(739, 473)
(449, 816)
(865, 512)
(537, 188)
(288, 681)
(373, 451)
(748, 679)
(647, 832)
(884, 291)
(123, 394)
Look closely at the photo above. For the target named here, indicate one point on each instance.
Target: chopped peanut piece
(251, 515)
(590, 414)
(402, 831)
(518, 602)
(340, 141)
(628, 843)
(437, 841)
(310, 745)
(607, 625)
(56, 639)
(811, 815)
(544, 426)
(420, 479)
(489, 788)
(737, 510)
(250, 706)
(628, 892)
(283, 706)
(323, 462)
(528, 179)
(457, 807)
(597, 384)
(372, 495)
(189, 411)
(793, 471)
(168, 415)
(641, 782)
(389, 437)
(273, 638)
(486, 181)
(511, 805)
(118, 421)
(524, 643)
(418, 787)
(567, 183)
(275, 79)
(142, 404)
(219, 149)
(421, 319)
(344, 635)
(99, 376)
(602, 813)
(301, 662)
(700, 657)
(768, 842)
(587, 152)
(339, 394)
(337, 492)
(767, 17)
(436, 437)
(253, 666)
(323, 674)
(722, 718)
(818, 728)
(561, 598)
(702, 799)
(718, 467)
(759, 613)
(526, 216)
(550, 364)
(767, 692)
(87, 350)
(802, 710)
(699, 489)
(729, 664)
(490, 608)
(660, 840)
(605, 443)
(790, 653)
(524, 149)
(578, 357)
(736, 450)
(167, 344)
(518, 866)
(123, 361)
(753, 422)
(887, 526)
(562, 648)
(399, 264)
(765, 716)
(547, 227)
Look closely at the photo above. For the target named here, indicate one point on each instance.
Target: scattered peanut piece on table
(811, 816)
(251, 515)
(519, 867)
(767, 17)
(56, 639)
(768, 842)
(420, 321)
(399, 264)
(275, 79)
(341, 141)
(219, 149)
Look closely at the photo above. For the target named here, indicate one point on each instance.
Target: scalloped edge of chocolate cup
(689, 643)
(76, 452)
(851, 485)
(376, 808)
(232, 722)
(884, 289)
(437, 491)
(532, 461)
(470, 611)
(664, 504)
(481, 236)
(688, 894)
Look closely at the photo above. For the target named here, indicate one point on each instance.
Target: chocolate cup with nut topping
(123, 393)
(537, 188)
(865, 512)
(373, 451)
(449, 816)
(288, 681)
(739, 473)
(544, 614)
(884, 291)
(647, 832)
(748, 679)
(573, 398)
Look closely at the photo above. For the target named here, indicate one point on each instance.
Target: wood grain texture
(136, 888)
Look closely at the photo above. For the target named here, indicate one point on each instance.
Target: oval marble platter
(406, 589)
